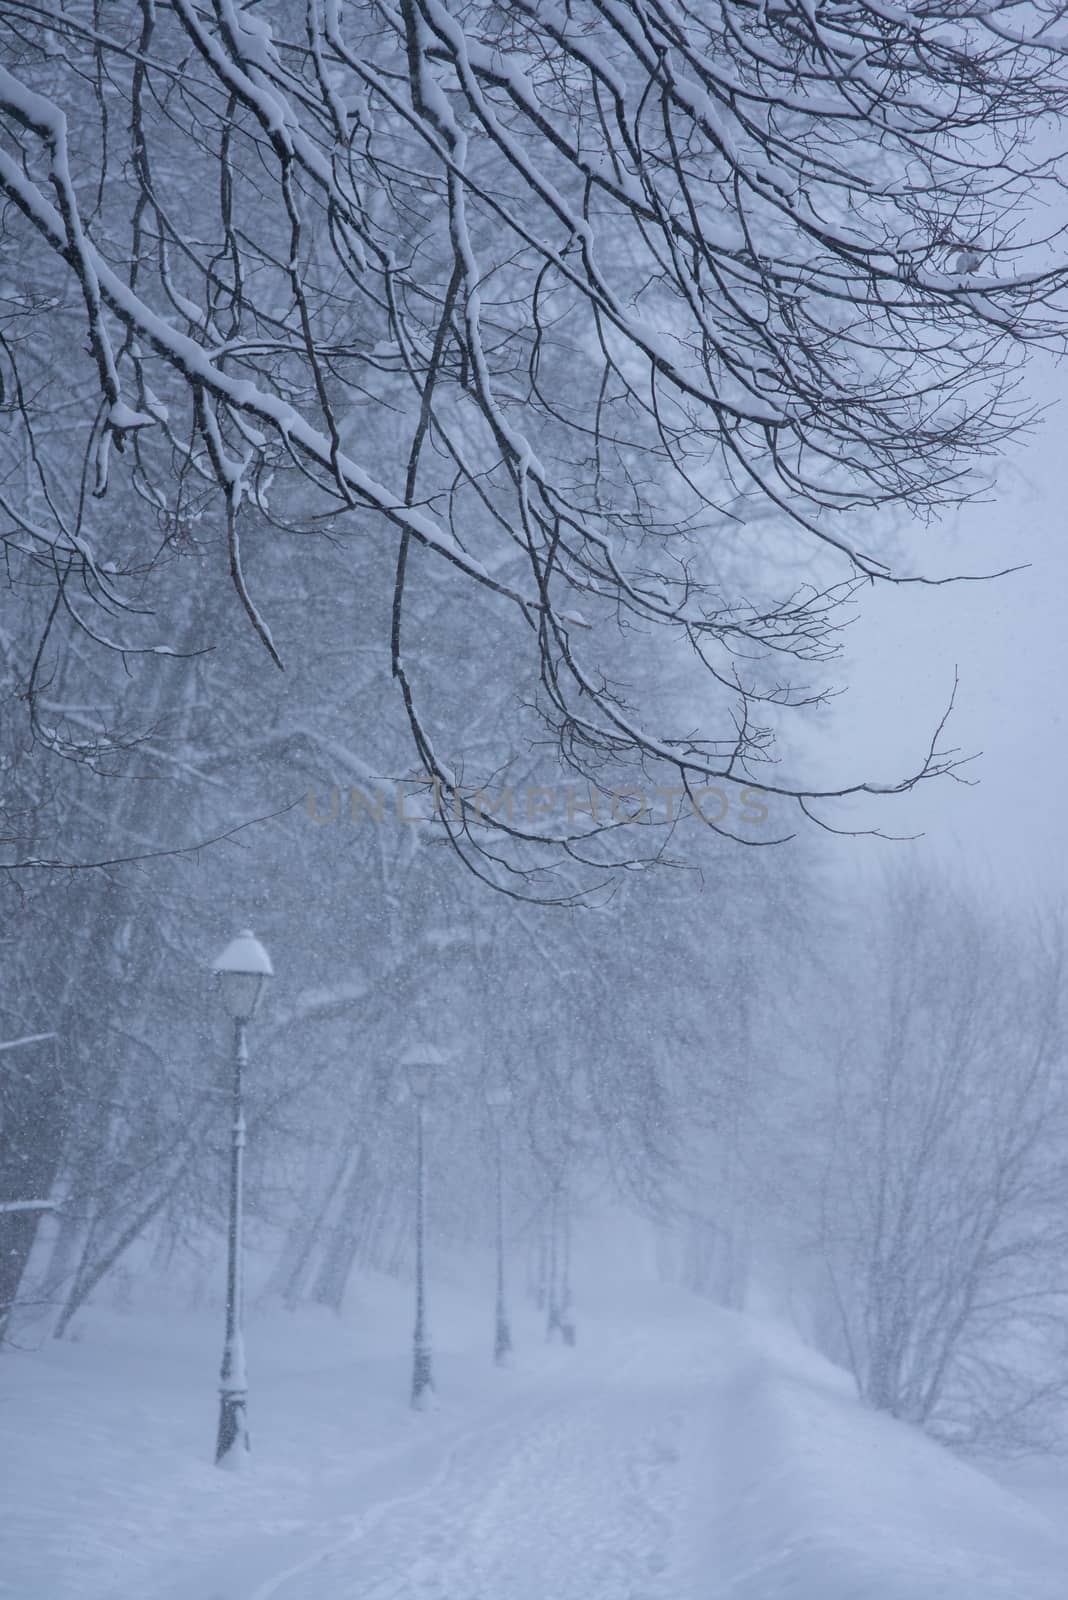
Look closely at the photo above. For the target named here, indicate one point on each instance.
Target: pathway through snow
(681, 1454)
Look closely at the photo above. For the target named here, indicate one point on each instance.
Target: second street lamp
(421, 1063)
(242, 973)
(498, 1099)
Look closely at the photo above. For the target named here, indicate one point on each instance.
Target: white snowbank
(676, 1453)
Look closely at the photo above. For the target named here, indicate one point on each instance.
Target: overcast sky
(1009, 639)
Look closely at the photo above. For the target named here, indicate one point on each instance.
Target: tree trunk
(344, 1241)
(31, 1139)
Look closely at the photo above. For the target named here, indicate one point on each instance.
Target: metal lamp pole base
(232, 1443)
(232, 1446)
(422, 1376)
(422, 1371)
(502, 1342)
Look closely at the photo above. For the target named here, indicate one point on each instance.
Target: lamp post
(566, 1310)
(552, 1319)
(242, 973)
(420, 1062)
(498, 1099)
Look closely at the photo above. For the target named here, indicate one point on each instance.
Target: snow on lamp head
(498, 1098)
(421, 1062)
(242, 972)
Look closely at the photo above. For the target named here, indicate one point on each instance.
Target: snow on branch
(641, 320)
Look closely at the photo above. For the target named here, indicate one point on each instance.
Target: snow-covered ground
(676, 1453)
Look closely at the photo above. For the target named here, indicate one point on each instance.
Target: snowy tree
(31, 1137)
(624, 318)
(942, 1226)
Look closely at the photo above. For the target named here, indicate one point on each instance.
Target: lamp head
(421, 1062)
(243, 972)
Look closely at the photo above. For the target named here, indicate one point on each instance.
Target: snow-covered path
(567, 1483)
(571, 1497)
(678, 1453)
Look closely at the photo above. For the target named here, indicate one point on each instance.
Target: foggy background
(609, 1214)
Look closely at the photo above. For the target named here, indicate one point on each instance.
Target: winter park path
(681, 1455)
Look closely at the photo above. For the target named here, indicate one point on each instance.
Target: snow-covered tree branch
(635, 320)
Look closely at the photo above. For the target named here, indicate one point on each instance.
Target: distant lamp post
(553, 1323)
(242, 973)
(567, 1307)
(498, 1099)
(561, 1317)
(421, 1063)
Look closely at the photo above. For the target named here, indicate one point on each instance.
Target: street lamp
(561, 1318)
(498, 1099)
(567, 1310)
(420, 1062)
(242, 973)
